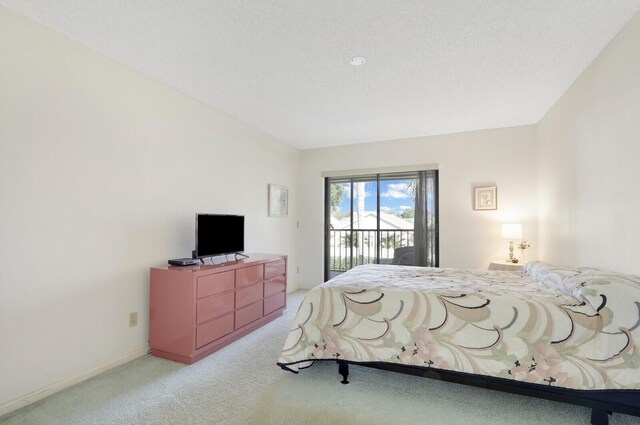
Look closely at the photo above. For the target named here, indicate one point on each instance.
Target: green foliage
(340, 214)
(337, 193)
(339, 263)
(342, 263)
(391, 241)
(354, 240)
(408, 213)
(412, 187)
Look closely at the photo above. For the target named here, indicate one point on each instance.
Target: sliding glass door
(381, 219)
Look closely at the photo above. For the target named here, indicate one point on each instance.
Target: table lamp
(512, 232)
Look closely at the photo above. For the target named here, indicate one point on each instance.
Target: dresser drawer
(215, 283)
(248, 295)
(275, 285)
(249, 275)
(248, 314)
(211, 307)
(273, 303)
(274, 268)
(213, 330)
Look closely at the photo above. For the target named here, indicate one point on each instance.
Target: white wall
(589, 172)
(505, 157)
(101, 173)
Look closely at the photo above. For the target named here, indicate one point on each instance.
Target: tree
(408, 213)
(351, 239)
(412, 186)
(390, 241)
(337, 193)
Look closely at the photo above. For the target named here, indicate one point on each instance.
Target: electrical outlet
(133, 319)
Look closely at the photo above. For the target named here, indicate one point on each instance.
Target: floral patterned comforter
(567, 327)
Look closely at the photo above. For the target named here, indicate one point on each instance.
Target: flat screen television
(218, 234)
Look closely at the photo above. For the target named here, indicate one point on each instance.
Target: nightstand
(505, 265)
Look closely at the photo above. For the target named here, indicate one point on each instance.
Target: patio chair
(403, 256)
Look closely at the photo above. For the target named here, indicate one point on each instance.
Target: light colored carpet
(241, 384)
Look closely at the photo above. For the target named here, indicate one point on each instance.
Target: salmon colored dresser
(196, 310)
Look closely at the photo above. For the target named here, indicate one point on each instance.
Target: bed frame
(602, 402)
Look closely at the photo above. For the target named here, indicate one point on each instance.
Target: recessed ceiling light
(358, 60)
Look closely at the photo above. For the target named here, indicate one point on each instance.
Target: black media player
(184, 262)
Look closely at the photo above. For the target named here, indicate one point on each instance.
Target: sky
(395, 196)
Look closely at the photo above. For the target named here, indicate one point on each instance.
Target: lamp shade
(512, 231)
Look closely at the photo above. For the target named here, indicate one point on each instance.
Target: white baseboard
(34, 396)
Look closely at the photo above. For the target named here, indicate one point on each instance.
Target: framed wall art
(278, 201)
(485, 198)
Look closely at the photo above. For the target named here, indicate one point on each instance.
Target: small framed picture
(278, 201)
(485, 198)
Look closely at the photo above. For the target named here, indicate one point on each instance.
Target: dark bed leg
(599, 417)
(343, 369)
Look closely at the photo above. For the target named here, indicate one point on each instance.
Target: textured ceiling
(433, 66)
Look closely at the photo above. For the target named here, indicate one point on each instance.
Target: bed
(567, 334)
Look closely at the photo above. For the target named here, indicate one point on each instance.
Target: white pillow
(551, 276)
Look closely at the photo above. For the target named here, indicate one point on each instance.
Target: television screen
(219, 234)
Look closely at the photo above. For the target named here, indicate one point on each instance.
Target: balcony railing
(364, 243)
